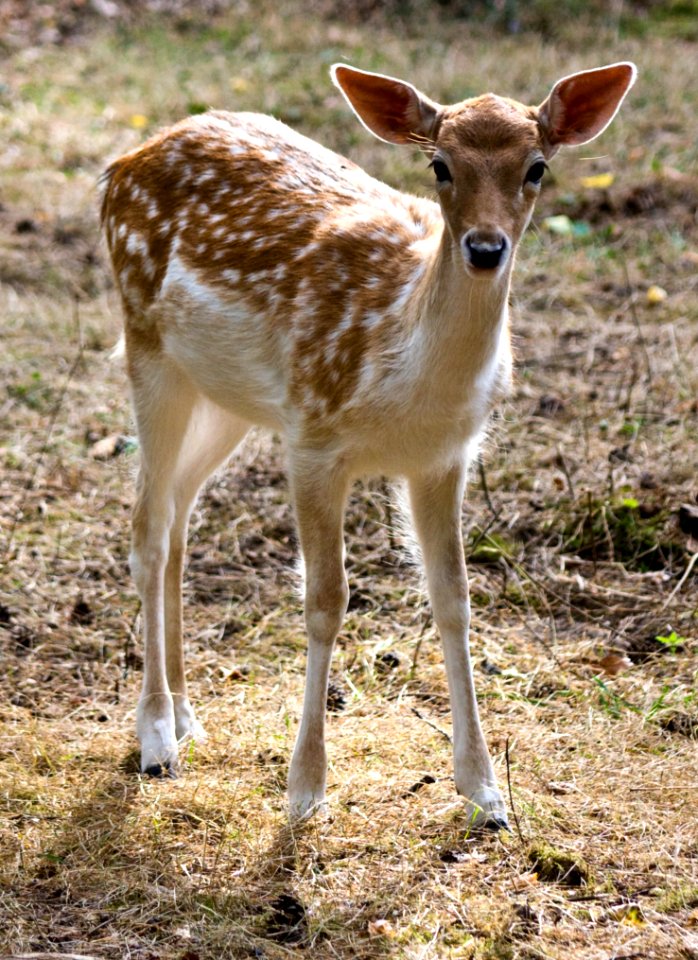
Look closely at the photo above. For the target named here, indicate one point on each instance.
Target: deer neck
(463, 318)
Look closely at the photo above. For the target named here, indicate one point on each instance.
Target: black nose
(486, 249)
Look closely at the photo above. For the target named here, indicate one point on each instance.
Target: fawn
(267, 280)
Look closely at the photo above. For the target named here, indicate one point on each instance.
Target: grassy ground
(586, 621)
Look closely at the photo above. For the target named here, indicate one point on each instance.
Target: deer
(268, 281)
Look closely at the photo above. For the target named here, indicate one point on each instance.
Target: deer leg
(436, 508)
(163, 403)
(211, 437)
(319, 493)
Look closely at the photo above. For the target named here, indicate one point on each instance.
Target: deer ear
(391, 109)
(581, 106)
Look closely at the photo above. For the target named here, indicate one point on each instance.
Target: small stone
(549, 406)
(688, 519)
(387, 661)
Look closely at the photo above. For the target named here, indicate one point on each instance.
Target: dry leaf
(656, 294)
(561, 787)
(108, 447)
(560, 224)
(381, 928)
(629, 914)
(615, 663)
(598, 181)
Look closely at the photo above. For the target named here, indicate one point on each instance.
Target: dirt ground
(581, 527)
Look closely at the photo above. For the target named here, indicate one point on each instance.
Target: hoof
(303, 810)
(161, 771)
(187, 727)
(486, 809)
(496, 823)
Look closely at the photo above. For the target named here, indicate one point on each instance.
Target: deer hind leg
(319, 492)
(212, 435)
(436, 509)
(169, 415)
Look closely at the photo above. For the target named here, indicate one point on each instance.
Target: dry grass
(576, 549)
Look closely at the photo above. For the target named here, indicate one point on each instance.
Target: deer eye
(535, 173)
(443, 174)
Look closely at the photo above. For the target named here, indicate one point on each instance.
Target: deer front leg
(436, 508)
(319, 492)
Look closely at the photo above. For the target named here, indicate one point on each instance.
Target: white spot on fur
(135, 244)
